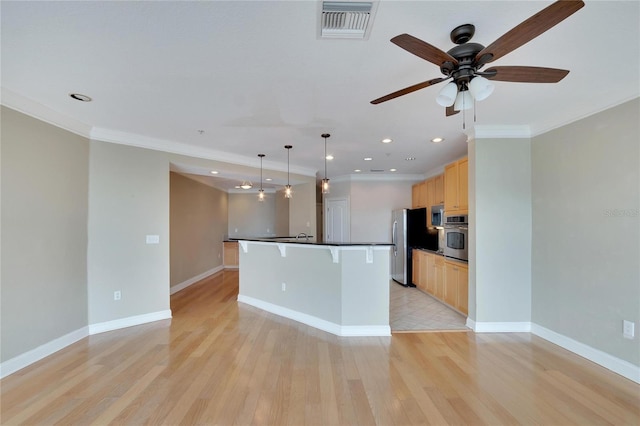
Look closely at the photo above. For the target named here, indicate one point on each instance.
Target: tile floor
(413, 310)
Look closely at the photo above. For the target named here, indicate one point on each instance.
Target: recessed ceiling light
(410, 158)
(387, 140)
(80, 97)
(329, 157)
(392, 170)
(437, 140)
(268, 179)
(357, 170)
(368, 158)
(237, 186)
(214, 172)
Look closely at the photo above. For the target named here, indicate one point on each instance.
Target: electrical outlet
(628, 329)
(117, 295)
(284, 286)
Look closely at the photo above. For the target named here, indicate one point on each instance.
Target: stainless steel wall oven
(456, 236)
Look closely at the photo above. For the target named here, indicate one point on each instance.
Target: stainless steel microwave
(437, 215)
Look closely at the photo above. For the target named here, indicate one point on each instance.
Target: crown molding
(252, 191)
(140, 141)
(542, 128)
(42, 112)
(499, 132)
(378, 178)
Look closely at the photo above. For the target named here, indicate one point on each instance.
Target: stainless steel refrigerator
(408, 231)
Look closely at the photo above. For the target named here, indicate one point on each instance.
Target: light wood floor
(221, 362)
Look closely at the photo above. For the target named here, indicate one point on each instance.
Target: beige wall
(282, 214)
(128, 200)
(500, 217)
(198, 224)
(372, 204)
(302, 209)
(586, 230)
(249, 217)
(45, 173)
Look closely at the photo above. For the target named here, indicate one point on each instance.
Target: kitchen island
(341, 288)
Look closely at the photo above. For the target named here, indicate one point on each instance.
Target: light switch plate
(153, 239)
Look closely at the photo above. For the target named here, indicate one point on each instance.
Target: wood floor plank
(218, 361)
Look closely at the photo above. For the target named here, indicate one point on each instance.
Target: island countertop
(302, 240)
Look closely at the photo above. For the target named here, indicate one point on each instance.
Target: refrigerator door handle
(394, 238)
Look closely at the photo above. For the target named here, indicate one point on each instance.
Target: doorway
(336, 221)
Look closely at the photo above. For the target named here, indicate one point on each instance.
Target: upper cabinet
(428, 193)
(456, 187)
(419, 196)
(438, 197)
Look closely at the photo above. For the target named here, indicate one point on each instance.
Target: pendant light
(325, 181)
(261, 191)
(287, 188)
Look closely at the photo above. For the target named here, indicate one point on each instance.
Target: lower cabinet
(456, 285)
(438, 276)
(446, 280)
(419, 274)
(230, 253)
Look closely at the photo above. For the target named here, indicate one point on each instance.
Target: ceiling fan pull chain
(464, 116)
(474, 110)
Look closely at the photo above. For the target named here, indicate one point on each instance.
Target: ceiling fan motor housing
(465, 55)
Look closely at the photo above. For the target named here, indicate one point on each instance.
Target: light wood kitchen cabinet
(456, 187)
(438, 197)
(438, 271)
(414, 196)
(446, 280)
(415, 265)
(430, 265)
(419, 195)
(230, 253)
(456, 285)
(419, 274)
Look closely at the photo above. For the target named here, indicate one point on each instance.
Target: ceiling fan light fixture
(447, 95)
(246, 185)
(480, 88)
(464, 101)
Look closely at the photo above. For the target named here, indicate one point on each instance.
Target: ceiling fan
(462, 64)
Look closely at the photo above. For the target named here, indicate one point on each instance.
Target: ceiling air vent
(341, 19)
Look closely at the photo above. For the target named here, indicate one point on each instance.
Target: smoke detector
(346, 19)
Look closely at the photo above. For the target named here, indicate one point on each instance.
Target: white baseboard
(24, 360)
(324, 325)
(617, 365)
(499, 327)
(231, 267)
(184, 284)
(129, 321)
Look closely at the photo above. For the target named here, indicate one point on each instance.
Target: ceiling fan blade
(407, 90)
(423, 49)
(528, 30)
(527, 74)
(449, 111)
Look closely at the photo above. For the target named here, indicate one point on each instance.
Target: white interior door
(336, 221)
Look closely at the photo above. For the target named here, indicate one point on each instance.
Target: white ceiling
(255, 76)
